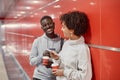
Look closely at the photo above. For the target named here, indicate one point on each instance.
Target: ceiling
(14, 9)
(18, 9)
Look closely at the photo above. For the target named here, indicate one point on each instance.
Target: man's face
(47, 25)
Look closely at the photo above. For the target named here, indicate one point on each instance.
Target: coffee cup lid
(45, 57)
(54, 64)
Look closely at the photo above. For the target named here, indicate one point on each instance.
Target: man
(49, 40)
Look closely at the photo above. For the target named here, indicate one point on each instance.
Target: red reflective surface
(104, 31)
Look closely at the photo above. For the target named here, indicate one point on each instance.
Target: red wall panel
(103, 33)
(110, 15)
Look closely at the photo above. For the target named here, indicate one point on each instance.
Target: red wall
(103, 36)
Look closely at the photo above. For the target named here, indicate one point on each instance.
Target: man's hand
(49, 64)
(46, 53)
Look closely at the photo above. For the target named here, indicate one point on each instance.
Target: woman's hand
(54, 55)
(59, 72)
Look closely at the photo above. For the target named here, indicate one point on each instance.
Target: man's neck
(52, 35)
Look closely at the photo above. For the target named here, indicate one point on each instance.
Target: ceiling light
(57, 6)
(92, 3)
(74, 0)
(22, 12)
(36, 1)
(57, 0)
(15, 17)
(44, 11)
(74, 8)
(32, 16)
(25, 7)
(28, 7)
(35, 13)
(18, 14)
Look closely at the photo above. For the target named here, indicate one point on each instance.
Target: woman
(74, 59)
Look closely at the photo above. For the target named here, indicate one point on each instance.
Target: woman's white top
(75, 60)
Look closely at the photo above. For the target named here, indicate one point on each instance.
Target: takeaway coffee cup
(45, 60)
(54, 66)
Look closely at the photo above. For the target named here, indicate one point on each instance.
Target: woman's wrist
(56, 58)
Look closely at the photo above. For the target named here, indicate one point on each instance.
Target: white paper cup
(45, 60)
(54, 66)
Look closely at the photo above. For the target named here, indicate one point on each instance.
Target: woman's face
(65, 30)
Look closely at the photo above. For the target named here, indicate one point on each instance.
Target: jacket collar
(54, 39)
(78, 41)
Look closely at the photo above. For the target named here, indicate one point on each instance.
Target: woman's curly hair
(77, 21)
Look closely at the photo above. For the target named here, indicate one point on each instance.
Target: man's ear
(54, 24)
